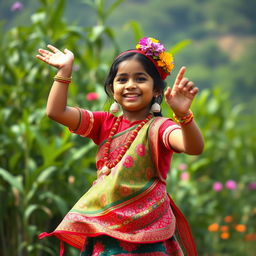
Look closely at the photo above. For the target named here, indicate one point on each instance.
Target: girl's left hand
(180, 97)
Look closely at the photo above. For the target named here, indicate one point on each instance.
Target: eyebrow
(126, 74)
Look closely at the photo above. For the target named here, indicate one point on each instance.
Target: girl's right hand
(56, 58)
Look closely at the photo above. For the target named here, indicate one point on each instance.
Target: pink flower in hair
(150, 46)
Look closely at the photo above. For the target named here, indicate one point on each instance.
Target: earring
(155, 108)
(114, 108)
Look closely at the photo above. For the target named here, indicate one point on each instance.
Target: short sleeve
(94, 125)
(165, 130)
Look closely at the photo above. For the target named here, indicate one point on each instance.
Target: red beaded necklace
(112, 163)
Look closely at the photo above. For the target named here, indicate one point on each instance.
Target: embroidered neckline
(108, 163)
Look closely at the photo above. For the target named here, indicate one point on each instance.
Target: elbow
(198, 150)
(51, 114)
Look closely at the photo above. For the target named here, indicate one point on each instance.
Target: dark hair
(159, 84)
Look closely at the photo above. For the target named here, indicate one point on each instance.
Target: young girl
(127, 211)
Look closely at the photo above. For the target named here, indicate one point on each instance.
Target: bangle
(61, 79)
(184, 119)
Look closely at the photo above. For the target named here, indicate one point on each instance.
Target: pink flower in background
(92, 96)
(252, 185)
(182, 167)
(184, 176)
(231, 185)
(17, 6)
(217, 186)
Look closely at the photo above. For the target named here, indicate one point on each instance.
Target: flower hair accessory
(156, 52)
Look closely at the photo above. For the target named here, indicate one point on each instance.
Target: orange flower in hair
(166, 61)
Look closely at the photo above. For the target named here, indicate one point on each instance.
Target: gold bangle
(61, 79)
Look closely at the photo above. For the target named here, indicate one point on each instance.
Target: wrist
(184, 119)
(65, 71)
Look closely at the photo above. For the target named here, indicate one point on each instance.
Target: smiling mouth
(131, 95)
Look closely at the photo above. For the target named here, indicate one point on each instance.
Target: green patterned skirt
(107, 246)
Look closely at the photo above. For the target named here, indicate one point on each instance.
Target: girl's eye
(141, 79)
(121, 80)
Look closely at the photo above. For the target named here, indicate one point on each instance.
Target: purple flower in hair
(17, 6)
(150, 46)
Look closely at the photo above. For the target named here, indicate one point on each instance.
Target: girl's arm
(57, 108)
(189, 138)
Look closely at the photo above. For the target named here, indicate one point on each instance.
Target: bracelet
(184, 119)
(61, 79)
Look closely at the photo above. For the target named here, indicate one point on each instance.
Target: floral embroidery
(103, 200)
(98, 249)
(149, 173)
(125, 191)
(129, 247)
(141, 150)
(128, 162)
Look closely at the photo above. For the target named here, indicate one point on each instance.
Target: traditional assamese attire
(130, 204)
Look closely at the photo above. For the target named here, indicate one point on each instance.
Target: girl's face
(133, 89)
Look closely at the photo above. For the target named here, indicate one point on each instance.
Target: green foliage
(229, 154)
(44, 169)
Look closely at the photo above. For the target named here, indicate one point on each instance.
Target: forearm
(188, 139)
(57, 99)
(193, 142)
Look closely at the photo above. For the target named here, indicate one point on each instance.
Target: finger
(44, 52)
(40, 57)
(180, 75)
(183, 83)
(68, 51)
(188, 86)
(52, 48)
(167, 93)
(194, 91)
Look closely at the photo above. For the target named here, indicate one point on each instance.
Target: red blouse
(97, 126)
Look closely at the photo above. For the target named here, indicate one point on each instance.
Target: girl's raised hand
(180, 97)
(55, 57)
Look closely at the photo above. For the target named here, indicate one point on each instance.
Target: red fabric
(181, 222)
(103, 122)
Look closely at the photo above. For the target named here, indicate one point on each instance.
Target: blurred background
(44, 169)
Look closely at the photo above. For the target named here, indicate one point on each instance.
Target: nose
(131, 84)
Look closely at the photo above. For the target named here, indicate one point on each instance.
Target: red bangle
(184, 119)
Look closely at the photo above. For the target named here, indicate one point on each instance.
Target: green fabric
(107, 246)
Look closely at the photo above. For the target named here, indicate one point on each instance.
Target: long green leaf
(12, 180)
(113, 7)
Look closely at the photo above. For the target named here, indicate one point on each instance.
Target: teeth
(131, 95)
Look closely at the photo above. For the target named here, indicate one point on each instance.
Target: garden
(44, 168)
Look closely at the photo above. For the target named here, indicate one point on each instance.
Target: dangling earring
(114, 108)
(155, 108)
